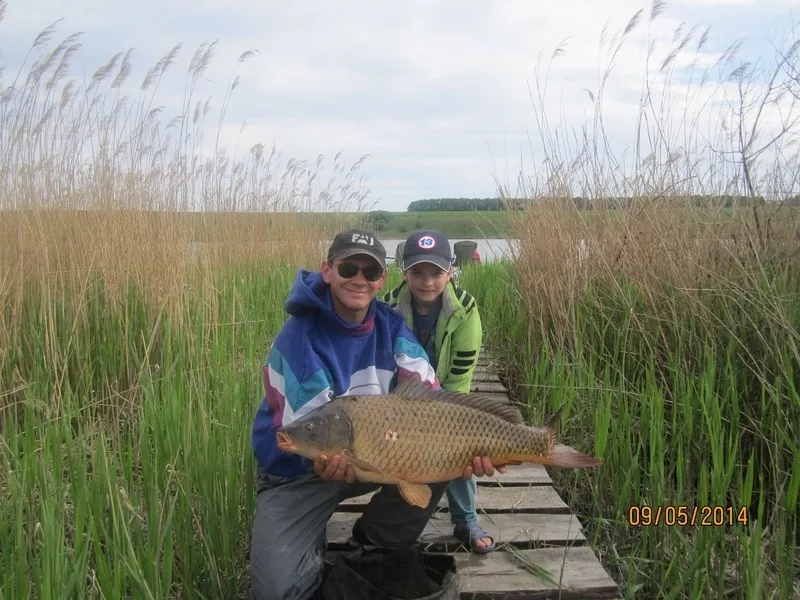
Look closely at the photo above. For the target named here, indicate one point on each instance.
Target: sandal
(472, 532)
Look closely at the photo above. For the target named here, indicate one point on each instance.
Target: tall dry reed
(103, 194)
(676, 206)
(96, 179)
(656, 278)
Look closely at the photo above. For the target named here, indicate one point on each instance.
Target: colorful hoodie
(317, 355)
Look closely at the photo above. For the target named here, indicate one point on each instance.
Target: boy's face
(426, 281)
(353, 293)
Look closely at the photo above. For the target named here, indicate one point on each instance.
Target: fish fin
(358, 463)
(365, 471)
(492, 406)
(567, 457)
(418, 494)
(555, 418)
(414, 388)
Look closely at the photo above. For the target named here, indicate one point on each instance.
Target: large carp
(415, 436)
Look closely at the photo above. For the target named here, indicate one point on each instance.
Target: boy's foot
(479, 540)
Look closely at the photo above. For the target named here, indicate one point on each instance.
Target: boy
(445, 321)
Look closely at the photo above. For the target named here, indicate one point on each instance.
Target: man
(446, 321)
(338, 341)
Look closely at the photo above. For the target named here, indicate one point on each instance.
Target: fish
(415, 436)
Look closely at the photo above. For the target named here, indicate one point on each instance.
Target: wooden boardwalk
(520, 510)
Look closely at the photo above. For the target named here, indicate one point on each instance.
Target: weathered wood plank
(529, 499)
(499, 397)
(489, 386)
(534, 530)
(577, 574)
(575, 570)
(527, 474)
(484, 375)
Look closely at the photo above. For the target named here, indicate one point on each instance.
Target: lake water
(489, 249)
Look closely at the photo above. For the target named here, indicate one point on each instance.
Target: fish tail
(567, 457)
(563, 455)
(542, 447)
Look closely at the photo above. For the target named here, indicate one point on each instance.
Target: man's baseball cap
(357, 241)
(427, 245)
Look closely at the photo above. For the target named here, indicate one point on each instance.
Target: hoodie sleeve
(291, 389)
(294, 384)
(412, 359)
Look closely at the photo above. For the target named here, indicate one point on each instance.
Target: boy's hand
(334, 469)
(480, 467)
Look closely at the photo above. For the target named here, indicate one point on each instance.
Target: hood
(310, 295)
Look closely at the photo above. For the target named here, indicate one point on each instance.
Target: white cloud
(435, 92)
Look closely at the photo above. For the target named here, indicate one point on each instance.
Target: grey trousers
(287, 545)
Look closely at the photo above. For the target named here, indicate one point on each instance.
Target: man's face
(426, 281)
(353, 293)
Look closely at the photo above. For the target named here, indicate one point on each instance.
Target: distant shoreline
(454, 224)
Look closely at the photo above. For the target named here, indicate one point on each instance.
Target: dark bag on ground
(407, 574)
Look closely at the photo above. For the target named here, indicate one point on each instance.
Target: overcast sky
(436, 92)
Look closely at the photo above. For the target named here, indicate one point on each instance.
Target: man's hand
(480, 467)
(334, 469)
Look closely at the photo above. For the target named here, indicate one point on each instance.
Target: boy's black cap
(357, 241)
(427, 245)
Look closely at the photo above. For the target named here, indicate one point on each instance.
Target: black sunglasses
(349, 270)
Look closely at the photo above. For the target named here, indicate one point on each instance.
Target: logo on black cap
(427, 245)
(357, 241)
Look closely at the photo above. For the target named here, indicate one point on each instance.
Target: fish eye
(309, 427)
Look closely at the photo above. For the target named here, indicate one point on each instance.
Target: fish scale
(428, 440)
(416, 436)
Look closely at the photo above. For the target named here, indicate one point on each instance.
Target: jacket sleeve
(412, 360)
(294, 383)
(465, 348)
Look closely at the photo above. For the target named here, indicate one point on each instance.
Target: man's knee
(279, 571)
(287, 540)
(390, 521)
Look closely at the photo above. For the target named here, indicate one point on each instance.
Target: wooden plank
(484, 374)
(529, 499)
(527, 474)
(497, 396)
(488, 386)
(576, 572)
(532, 530)
(490, 364)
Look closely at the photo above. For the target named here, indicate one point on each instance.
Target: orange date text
(683, 516)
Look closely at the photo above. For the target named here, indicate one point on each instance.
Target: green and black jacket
(458, 334)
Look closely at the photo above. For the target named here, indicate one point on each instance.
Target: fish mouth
(284, 441)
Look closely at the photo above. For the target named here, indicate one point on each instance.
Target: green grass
(127, 467)
(206, 226)
(126, 457)
(685, 411)
(125, 413)
(454, 224)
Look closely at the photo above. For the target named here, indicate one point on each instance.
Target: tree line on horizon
(497, 204)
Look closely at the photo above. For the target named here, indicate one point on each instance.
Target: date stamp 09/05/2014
(682, 516)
